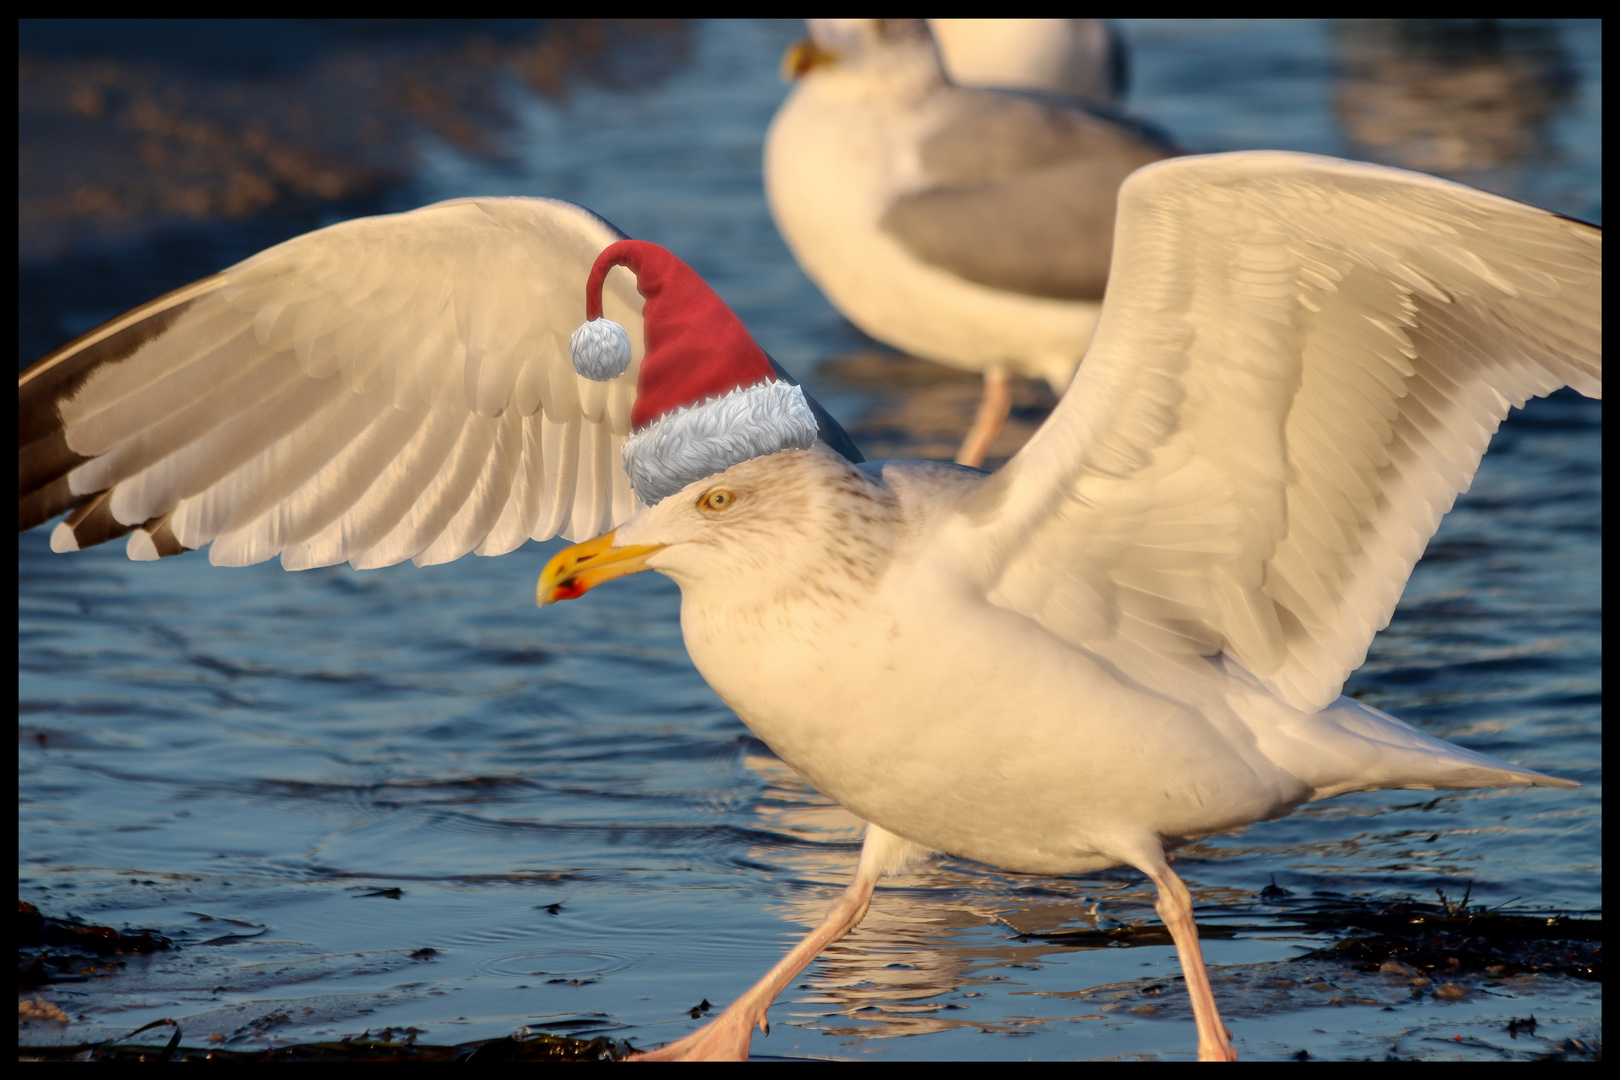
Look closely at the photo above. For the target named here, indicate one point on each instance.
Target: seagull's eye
(717, 500)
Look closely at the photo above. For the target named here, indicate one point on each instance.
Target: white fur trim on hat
(712, 436)
(600, 350)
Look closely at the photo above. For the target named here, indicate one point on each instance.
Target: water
(333, 771)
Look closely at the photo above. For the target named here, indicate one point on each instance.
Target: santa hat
(707, 396)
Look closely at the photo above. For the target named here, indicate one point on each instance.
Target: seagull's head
(797, 523)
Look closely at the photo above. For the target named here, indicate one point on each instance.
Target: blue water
(591, 843)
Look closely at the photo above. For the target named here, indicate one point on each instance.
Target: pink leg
(726, 1038)
(987, 423)
(1175, 908)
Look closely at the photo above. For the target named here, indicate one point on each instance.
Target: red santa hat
(707, 396)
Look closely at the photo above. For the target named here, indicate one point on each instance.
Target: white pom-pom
(600, 350)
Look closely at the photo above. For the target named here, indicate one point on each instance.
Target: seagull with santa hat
(1132, 636)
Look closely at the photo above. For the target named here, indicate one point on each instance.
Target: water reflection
(1450, 96)
(933, 937)
(891, 972)
(129, 127)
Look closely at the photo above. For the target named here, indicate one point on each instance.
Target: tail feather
(1349, 746)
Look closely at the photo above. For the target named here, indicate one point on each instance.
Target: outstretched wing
(1298, 367)
(389, 388)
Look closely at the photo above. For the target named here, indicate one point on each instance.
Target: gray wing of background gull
(1021, 192)
(388, 388)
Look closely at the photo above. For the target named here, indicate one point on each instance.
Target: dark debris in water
(248, 932)
(1451, 938)
(1439, 940)
(1274, 892)
(51, 950)
(523, 1046)
(1136, 935)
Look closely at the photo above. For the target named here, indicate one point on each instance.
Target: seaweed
(52, 950)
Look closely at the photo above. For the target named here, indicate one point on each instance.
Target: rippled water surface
(308, 779)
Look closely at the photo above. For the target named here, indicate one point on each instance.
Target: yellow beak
(803, 57)
(575, 571)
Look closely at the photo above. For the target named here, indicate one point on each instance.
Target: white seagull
(1134, 635)
(971, 227)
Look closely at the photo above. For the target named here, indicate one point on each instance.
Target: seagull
(1133, 635)
(1082, 58)
(971, 227)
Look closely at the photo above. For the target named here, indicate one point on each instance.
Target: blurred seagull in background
(1133, 635)
(1081, 58)
(971, 227)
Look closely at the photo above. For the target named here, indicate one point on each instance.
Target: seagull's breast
(971, 730)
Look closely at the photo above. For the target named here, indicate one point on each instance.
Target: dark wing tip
(43, 457)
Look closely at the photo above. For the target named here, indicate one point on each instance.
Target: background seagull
(971, 227)
(1133, 635)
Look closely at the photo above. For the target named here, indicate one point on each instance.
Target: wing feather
(561, 452)
(518, 517)
(349, 451)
